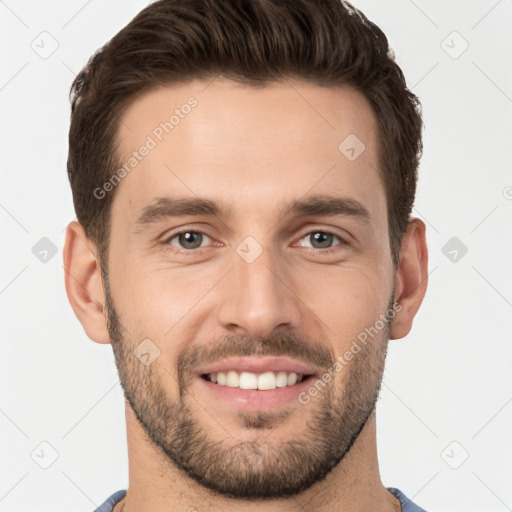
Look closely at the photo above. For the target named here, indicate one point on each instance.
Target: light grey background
(447, 390)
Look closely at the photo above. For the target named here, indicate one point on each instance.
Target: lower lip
(255, 399)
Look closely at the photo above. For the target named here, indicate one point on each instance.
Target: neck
(156, 485)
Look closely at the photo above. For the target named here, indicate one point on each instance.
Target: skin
(253, 150)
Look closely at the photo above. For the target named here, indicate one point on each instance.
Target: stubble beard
(259, 467)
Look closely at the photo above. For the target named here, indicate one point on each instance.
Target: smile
(248, 380)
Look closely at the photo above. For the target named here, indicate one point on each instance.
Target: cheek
(346, 300)
(162, 302)
(157, 301)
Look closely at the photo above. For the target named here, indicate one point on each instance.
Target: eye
(322, 239)
(188, 239)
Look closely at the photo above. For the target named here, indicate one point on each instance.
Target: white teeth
(232, 379)
(262, 381)
(248, 380)
(267, 380)
(281, 380)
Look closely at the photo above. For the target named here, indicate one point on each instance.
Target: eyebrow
(162, 208)
(329, 206)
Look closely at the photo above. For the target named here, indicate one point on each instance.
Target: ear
(84, 283)
(411, 278)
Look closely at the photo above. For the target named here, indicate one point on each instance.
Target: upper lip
(259, 364)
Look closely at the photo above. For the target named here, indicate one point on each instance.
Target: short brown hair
(255, 42)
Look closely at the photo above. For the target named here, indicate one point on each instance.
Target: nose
(258, 297)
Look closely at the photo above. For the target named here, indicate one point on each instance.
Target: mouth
(257, 383)
(262, 381)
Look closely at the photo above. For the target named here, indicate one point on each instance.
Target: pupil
(323, 239)
(190, 240)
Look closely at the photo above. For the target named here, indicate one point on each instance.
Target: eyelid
(167, 239)
(341, 234)
(343, 241)
(310, 230)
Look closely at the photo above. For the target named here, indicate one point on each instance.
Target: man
(243, 174)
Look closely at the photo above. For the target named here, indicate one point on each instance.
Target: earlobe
(82, 274)
(411, 278)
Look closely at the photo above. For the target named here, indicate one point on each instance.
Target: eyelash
(167, 245)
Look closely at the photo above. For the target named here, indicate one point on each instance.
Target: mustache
(277, 344)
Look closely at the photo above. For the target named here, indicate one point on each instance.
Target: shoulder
(108, 505)
(407, 504)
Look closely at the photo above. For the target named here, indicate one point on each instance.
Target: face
(250, 250)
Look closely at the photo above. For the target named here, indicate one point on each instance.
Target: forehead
(250, 147)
